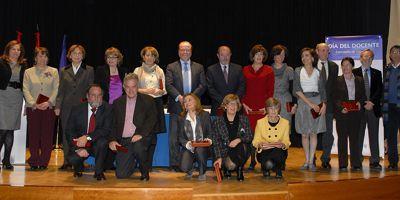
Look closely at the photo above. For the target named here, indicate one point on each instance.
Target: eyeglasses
(395, 52)
(112, 57)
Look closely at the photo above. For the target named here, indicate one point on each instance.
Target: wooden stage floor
(163, 184)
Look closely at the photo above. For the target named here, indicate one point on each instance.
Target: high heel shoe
(240, 176)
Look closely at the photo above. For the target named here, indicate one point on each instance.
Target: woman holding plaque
(232, 138)
(272, 139)
(194, 133)
(259, 87)
(12, 68)
(40, 89)
(309, 88)
(283, 82)
(152, 82)
(349, 93)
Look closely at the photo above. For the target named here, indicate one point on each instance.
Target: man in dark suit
(88, 129)
(74, 80)
(182, 77)
(329, 71)
(224, 78)
(134, 117)
(372, 106)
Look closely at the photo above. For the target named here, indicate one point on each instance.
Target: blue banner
(351, 46)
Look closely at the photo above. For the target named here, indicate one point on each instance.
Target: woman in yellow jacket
(271, 138)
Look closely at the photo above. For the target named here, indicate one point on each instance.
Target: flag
(63, 56)
(37, 36)
(19, 36)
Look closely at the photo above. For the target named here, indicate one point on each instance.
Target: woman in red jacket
(259, 87)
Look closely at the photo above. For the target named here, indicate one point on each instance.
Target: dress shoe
(343, 168)
(326, 165)
(266, 173)
(278, 174)
(356, 168)
(65, 167)
(312, 167)
(252, 166)
(202, 177)
(77, 174)
(304, 166)
(33, 168)
(145, 177)
(393, 167)
(188, 175)
(42, 167)
(175, 169)
(227, 173)
(239, 172)
(8, 166)
(99, 176)
(375, 166)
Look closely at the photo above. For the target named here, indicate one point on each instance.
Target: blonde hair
(114, 51)
(231, 98)
(272, 102)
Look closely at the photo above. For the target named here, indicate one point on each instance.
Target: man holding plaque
(88, 129)
(349, 96)
(134, 117)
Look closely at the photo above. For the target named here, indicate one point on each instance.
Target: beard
(95, 104)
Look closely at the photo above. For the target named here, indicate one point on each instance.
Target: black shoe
(42, 167)
(8, 166)
(278, 174)
(393, 167)
(252, 166)
(356, 168)
(343, 168)
(33, 168)
(65, 167)
(266, 173)
(77, 174)
(145, 177)
(227, 173)
(375, 166)
(175, 169)
(239, 172)
(99, 176)
(326, 165)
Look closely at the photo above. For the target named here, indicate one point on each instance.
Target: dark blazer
(218, 88)
(72, 89)
(221, 135)
(102, 77)
(376, 88)
(5, 73)
(330, 84)
(174, 83)
(341, 94)
(78, 123)
(144, 118)
(203, 128)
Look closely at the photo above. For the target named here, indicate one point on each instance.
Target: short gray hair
(131, 76)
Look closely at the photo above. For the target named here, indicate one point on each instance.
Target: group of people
(110, 109)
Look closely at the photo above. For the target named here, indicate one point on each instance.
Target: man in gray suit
(232, 82)
(182, 77)
(74, 81)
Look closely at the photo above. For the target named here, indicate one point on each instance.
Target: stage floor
(161, 178)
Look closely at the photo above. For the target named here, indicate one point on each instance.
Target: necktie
(366, 83)
(323, 70)
(225, 71)
(186, 83)
(92, 121)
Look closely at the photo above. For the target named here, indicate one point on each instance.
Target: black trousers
(150, 152)
(348, 127)
(391, 129)
(276, 155)
(200, 154)
(239, 154)
(368, 118)
(137, 153)
(98, 150)
(174, 147)
(6, 139)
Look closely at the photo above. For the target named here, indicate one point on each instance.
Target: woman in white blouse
(152, 82)
(309, 88)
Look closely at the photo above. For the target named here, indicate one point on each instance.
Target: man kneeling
(88, 130)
